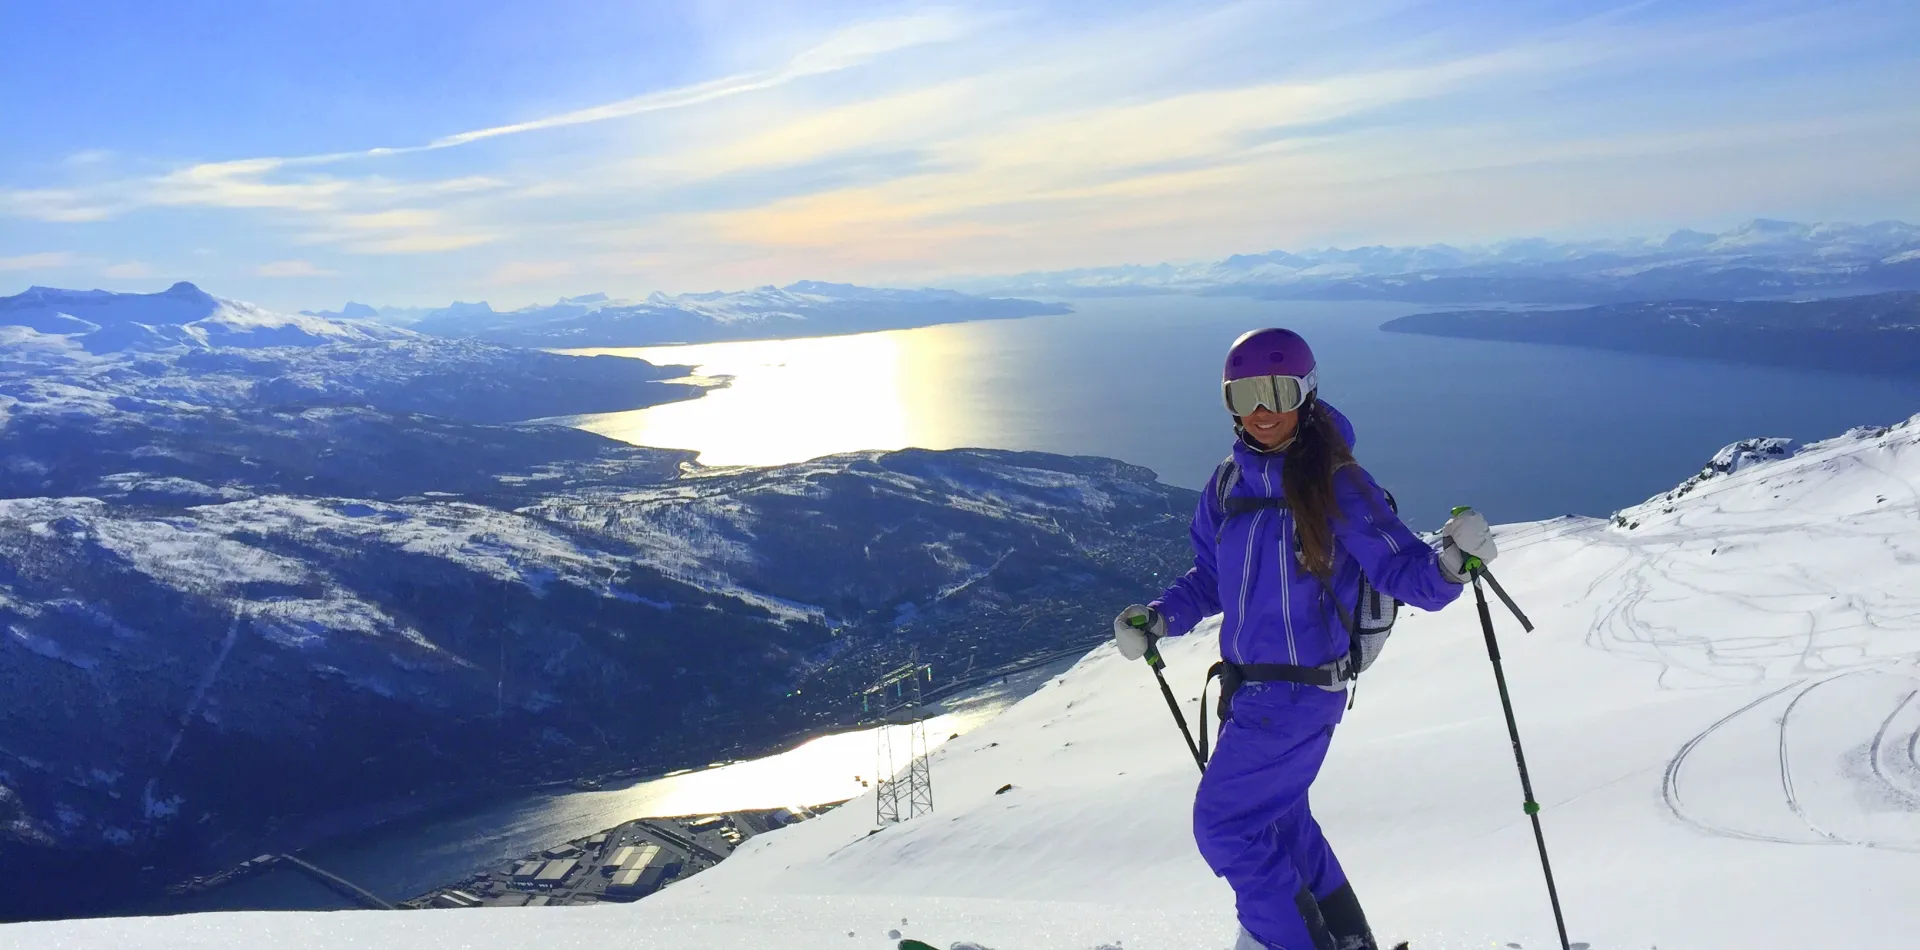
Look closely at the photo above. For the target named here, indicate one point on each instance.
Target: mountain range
(255, 572)
(803, 309)
(1762, 258)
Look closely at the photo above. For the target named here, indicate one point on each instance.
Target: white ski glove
(1465, 535)
(1134, 637)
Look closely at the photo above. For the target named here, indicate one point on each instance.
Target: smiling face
(1270, 429)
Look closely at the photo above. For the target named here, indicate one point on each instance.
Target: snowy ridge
(203, 366)
(181, 315)
(806, 308)
(1721, 702)
(1759, 258)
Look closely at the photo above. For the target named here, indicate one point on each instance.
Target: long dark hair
(1318, 451)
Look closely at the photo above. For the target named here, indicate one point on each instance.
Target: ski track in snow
(1671, 785)
(1786, 767)
(1657, 580)
(1875, 751)
(1821, 764)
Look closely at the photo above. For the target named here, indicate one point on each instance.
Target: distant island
(1874, 333)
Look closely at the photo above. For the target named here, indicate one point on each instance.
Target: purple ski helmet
(1272, 368)
(1269, 352)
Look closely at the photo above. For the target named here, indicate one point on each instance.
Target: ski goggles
(1278, 393)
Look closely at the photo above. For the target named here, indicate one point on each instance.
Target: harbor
(619, 865)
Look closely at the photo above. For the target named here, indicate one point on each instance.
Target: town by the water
(621, 864)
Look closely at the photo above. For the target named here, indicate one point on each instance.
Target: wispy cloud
(522, 272)
(954, 140)
(58, 205)
(293, 268)
(1155, 147)
(424, 242)
(47, 260)
(405, 230)
(130, 270)
(358, 211)
(852, 46)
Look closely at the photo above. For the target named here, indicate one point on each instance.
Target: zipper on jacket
(1246, 582)
(1286, 581)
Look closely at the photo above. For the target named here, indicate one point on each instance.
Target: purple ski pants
(1251, 818)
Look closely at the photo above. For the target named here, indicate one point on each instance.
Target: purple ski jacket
(1276, 610)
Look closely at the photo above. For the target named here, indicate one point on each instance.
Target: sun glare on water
(789, 400)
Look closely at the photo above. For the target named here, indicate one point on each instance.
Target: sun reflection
(827, 769)
(790, 400)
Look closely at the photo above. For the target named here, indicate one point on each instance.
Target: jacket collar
(1259, 466)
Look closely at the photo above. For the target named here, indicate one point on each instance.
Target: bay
(1521, 431)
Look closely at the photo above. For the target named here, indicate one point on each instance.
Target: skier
(1317, 521)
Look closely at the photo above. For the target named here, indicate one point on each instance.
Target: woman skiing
(1301, 522)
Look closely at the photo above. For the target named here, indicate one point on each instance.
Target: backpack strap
(1225, 476)
(1229, 683)
(1347, 621)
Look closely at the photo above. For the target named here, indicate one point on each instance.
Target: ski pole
(1155, 663)
(1501, 592)
(1477, 569)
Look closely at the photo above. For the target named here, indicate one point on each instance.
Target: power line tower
(901, 794)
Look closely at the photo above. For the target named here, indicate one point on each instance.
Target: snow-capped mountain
(184, 346)
(182, 315)
(807, 308)
(191, 661)
(232, 579)
(242, 586)
(231, 576)
(1718, 706)
(1761, 258)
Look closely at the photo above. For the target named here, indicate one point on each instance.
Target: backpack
(1370, 625)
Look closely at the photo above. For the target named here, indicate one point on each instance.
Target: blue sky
(415, 152)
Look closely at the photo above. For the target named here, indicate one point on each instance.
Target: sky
(301, 154)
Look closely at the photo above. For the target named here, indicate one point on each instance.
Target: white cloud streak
(855, 45)
(340, 205)
(48, 260)
(130, 270)
(293, 268)
(524, 272)
(1044, 140)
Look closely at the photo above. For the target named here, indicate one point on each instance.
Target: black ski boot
(1345, 921)
(1313, 912)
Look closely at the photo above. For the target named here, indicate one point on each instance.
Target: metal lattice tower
(901, 794)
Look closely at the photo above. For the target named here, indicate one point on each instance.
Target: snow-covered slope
(208, 645)
(181, 315)
(85, 348)
(1720, 707)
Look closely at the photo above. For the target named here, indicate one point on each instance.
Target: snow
(1720, 708)
(182, 315)
(49, 649)
(1790, 247)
